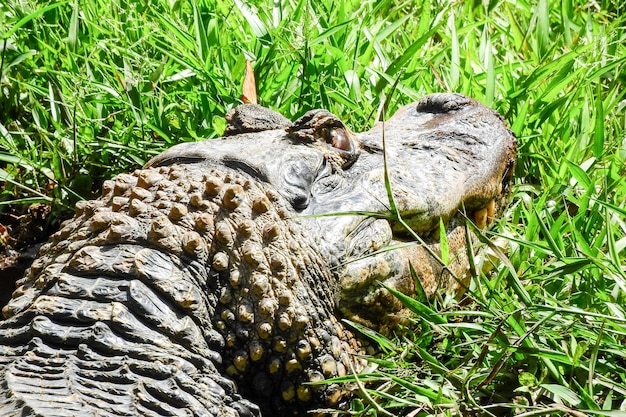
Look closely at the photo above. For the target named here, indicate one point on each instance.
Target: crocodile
(214, 280)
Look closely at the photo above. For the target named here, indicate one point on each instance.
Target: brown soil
(22, 231)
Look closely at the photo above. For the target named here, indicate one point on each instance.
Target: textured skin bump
(175, 277)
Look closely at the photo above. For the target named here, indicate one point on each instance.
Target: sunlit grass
(93, 88)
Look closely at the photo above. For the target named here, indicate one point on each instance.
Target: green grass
(93, 88)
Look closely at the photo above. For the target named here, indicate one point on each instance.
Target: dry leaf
(249, 86)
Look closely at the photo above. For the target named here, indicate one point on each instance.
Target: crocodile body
(212, 282)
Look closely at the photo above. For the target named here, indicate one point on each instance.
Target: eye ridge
(328, 130)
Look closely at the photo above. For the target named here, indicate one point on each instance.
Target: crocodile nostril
(442, 103)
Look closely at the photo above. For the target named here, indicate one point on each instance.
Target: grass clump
(93, 88)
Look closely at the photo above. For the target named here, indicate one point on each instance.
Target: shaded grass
(90, 89)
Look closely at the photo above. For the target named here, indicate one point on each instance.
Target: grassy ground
(92, 88)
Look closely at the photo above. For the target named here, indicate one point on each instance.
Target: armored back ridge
(213, 281)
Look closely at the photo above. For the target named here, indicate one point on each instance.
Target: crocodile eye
(338, 138)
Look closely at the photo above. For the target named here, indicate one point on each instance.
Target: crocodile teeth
(491, 210)
(485, 216)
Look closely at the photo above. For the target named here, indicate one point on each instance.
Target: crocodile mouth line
(402, 236)
(482, 217)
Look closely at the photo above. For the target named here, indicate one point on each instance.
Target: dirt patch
(22, 231)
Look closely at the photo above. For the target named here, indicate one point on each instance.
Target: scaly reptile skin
(212, 282)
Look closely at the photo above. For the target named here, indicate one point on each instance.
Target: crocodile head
(442, 159)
